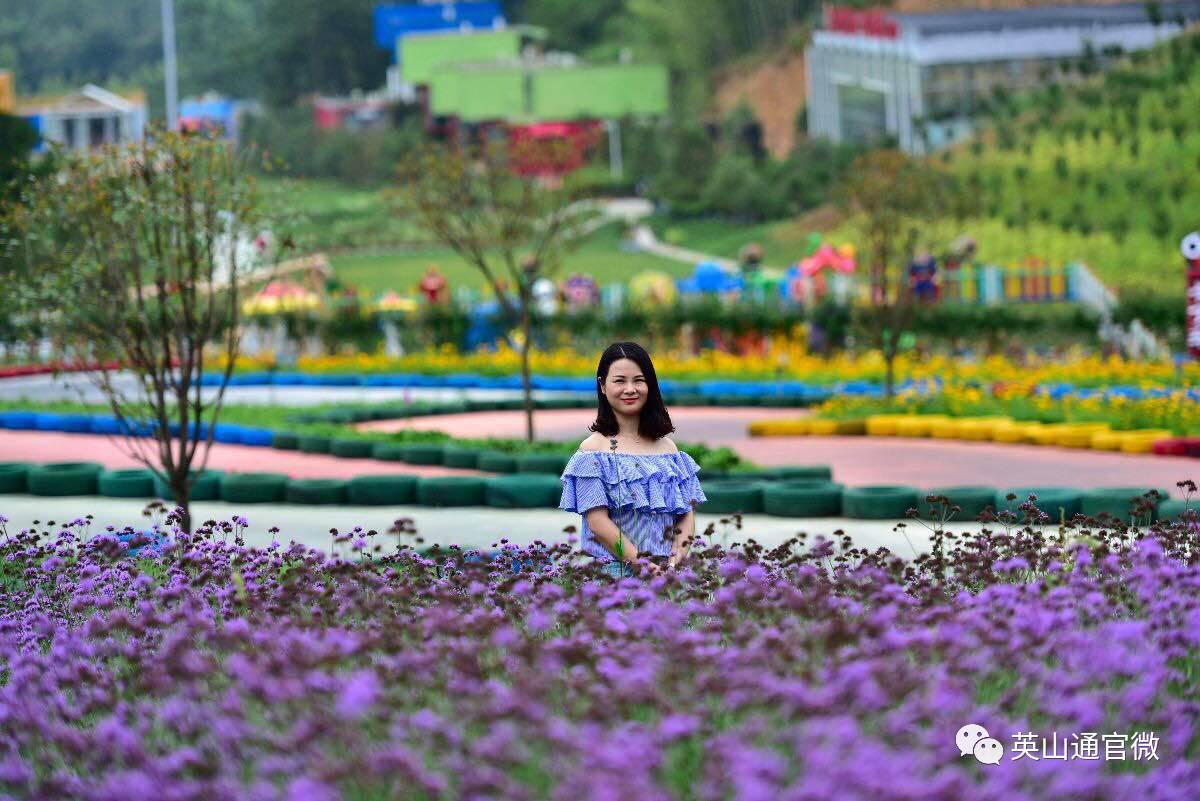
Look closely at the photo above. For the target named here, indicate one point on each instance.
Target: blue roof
(394, 21)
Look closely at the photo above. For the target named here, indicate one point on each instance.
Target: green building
(500, 75)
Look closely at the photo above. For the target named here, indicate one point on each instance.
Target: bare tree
(514, 228)
(897, 201)
(132, 256)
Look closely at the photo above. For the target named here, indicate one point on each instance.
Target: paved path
(469, 527)
(855, 460)
(43, 446)
(710, 425)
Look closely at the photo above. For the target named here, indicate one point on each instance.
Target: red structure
(552, 148)
(865, 23)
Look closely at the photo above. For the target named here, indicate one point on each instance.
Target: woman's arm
(685, 526)
(606, 532)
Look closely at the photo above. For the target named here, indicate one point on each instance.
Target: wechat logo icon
(974, 740)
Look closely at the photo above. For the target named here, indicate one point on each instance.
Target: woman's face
(625, 387)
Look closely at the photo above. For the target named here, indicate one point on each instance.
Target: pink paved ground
(855, 460)
(43, 446)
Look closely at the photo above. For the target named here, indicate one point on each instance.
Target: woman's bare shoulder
(593, 443)
(667, 445)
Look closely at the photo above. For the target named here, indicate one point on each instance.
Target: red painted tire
(1176, 446)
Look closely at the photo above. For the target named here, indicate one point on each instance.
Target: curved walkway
(45, 446)
(855, 460)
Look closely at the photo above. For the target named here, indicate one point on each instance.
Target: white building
(88, 118)
(920, 77)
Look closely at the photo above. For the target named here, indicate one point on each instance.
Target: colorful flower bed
(197, 668)
(786, 359)
(1174, 411)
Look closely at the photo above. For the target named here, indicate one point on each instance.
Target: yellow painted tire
(1013, 433)
(947, 429)
(1079, 436)
(823, 428)
(781, 428)
(1107, 440)
(1047, 434)
(920, 425)
(1142, 440)
(851, 428)
(883, 425)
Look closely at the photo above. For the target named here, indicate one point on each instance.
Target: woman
(633, 487)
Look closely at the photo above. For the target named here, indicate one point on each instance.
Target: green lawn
(599, 256)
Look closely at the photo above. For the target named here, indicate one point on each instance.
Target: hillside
(1113, 160)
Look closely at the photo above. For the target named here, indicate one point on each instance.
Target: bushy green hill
(1110, 167)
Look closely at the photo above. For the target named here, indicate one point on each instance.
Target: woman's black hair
(654, 423)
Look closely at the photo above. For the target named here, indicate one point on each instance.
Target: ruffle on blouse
(658, 483)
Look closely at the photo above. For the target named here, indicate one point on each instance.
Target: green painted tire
(134, 483)
(801, 498)
(253, 487)
(205, 487)
(451, 491)
(284, 441)
(526, 491)
(730, 496)
(750, 475)
(314, 444)
(548, 463)
(315, 491)
(879, 502)
(1053, 501)
(559, 403)
(60, 479)
(387, 490)
(497, 462)
(423, 454)
(1172, 508)
(14, 477)
(729, 400)
(467, 458)
(352, 448)
(1117, 502)
(972, 501)
(803, 472)
(388, 452)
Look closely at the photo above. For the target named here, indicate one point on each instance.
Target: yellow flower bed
(787, 359)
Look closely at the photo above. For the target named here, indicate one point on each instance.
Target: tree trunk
(527, 332)
(181, 489)
(889, 361)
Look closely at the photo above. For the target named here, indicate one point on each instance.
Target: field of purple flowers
(201, 669)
